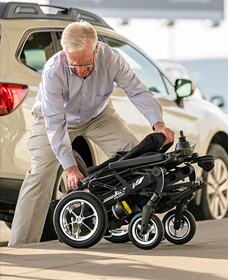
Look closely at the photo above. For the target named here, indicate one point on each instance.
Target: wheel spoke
(184, 224)
(218, 169)
(176, 232)
(66, 225)
(123, 229)
(71, 212)
(210, 179)
(78, 231)
(146, 237)
(223, 198)
(87, 227)
(212, 203)
(93, 215)
(152, 228)
(210, 189)
(224, 187)
(223, 177)
(82, 209)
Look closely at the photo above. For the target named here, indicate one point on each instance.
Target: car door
(176, 116)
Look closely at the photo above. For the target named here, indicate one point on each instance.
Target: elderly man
(73, 100)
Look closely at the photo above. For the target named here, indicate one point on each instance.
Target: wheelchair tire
(119, 235)
(80, 219)
(186, 231)
(154, 234)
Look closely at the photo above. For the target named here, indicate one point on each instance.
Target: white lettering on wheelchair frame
(138, 182)
(116, 195)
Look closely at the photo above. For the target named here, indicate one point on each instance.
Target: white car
(28, 38)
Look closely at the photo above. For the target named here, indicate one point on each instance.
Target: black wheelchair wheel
(186, 231)
(80, 219)
(119, 235)
(154, 234)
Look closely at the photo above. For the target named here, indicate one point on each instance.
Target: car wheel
(60, 189)
(214, 201)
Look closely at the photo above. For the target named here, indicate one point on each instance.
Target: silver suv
(29, 35)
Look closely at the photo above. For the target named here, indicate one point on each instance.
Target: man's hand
(74, 175)
(169, 134)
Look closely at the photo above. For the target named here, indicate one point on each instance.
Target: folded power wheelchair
(128, 190)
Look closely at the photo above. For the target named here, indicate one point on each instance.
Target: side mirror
(184, 88)
(218, 101)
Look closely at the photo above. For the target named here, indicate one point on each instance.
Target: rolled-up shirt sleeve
(138, 93)
(56, 123)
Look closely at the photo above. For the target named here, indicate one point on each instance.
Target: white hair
(76, 36)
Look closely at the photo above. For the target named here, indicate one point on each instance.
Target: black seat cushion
(152, 143)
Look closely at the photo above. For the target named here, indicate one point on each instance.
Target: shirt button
(82, 118)
(84, 95)
(83, 107)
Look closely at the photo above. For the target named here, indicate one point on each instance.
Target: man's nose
(80, 68)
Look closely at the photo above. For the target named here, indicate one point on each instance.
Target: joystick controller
(187, 147)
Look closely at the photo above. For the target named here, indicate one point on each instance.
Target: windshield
(146, 71)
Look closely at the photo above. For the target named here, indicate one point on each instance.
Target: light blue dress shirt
(66, 97)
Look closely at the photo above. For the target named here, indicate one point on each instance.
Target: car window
(59, 35)
(37, 49)
(170, 87)
(144, 69)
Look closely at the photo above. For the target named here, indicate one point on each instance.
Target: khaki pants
(107, 130)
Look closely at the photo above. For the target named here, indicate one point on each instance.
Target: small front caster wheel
(186, 231)
(154, 234)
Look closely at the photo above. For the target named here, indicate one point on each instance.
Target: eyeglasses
(83, 65)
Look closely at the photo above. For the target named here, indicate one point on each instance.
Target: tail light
(11, 95)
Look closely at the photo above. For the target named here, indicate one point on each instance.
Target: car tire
(214, 200)
(60, 189)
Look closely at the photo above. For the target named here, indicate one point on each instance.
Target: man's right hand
(74, 175)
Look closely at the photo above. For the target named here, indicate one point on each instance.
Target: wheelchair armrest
(136, 161)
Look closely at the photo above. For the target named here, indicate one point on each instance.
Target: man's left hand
(169, 133)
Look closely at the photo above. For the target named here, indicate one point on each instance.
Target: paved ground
(204, 257)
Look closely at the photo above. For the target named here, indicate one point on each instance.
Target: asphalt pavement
(204, 257)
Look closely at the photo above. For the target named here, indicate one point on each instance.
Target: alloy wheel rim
(75, 221)
(217, 190)
(148, 238)
(120, 231)
(182, 232)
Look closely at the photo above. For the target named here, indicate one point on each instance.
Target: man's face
(82, 62)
